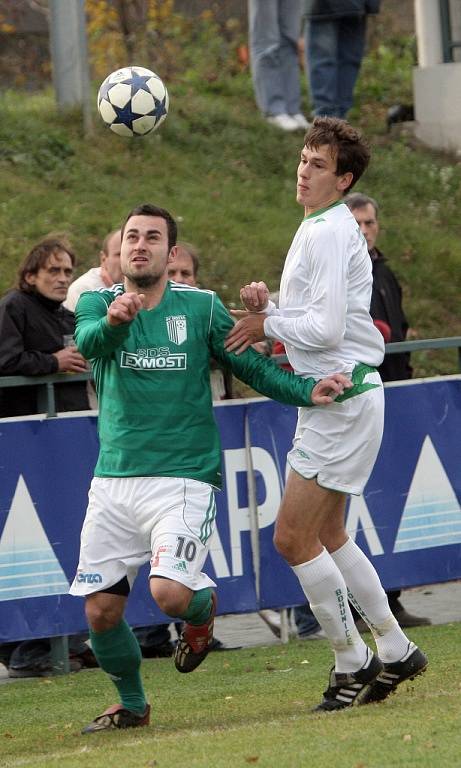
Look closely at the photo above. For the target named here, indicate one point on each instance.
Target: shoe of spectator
(117, 717)
(414, 663)
(348, 689)
(362, 625)
(301, 121)
(194, 643)
(87, 659)
(272, 619)
(406, 619)
(283, 121)
(161, 651)
(319, 634)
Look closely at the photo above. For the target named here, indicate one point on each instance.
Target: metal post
(60, 655)
(69, 56)
(46, 402)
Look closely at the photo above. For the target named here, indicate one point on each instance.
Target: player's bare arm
(125, 308)
(248, 329)
(255, 296)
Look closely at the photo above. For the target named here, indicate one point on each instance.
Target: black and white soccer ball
(133, 101)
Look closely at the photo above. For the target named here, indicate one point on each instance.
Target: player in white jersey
(152, 497)
(323, 319)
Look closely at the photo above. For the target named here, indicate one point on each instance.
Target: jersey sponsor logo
(143, 361)
(177, 328)
(89, 578)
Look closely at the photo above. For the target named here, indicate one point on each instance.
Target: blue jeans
(334, 52)
(305, 621)
(274, 29)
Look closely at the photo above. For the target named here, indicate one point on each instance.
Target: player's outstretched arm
(264, 375)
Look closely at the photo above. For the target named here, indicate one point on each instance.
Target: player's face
(181, 267)
(111, 260)
(144, 253)
(368, 223)
(317, 183)
(53, 279)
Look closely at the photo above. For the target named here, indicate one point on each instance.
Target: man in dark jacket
(388, 315)
(335, 35)
(36, 339)
(36, 331)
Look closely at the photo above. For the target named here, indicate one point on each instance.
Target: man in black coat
(36, 331)
(36, 338)
(388, 315)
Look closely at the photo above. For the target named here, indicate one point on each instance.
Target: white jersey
(323, 316)
(89, 281)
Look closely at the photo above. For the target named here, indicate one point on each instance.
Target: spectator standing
(274, 29)
(335, 36)
(107, 274)
(34, 332)
(389, 317)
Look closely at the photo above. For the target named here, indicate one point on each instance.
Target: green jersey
(153, 382)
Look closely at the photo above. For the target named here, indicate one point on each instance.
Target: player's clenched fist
(125, 308)
(254, 296)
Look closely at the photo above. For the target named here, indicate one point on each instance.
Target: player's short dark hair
(147, 209)
(356, 200)
(37, 258)
(349, 145)
(193, 253)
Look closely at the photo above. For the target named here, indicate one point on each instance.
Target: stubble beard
(143, 281)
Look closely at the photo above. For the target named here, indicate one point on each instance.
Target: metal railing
(46, 399)
(449, 45)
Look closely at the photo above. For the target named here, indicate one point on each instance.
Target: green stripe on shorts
(358, 387)
(207, 525)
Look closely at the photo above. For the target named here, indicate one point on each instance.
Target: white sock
(369, 598)
(326, 591)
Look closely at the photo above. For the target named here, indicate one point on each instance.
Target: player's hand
(125, 308)
(254, 296)
(248, 330)
(70, 360)
(327, 390)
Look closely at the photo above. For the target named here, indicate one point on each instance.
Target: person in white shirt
(324, 321)
(105, 276)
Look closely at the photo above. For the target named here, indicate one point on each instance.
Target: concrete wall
(437, 85)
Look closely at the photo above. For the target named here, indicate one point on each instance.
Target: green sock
(199, 608)
(118, 653)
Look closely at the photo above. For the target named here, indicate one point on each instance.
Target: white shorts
(131, 520)
(338, 443)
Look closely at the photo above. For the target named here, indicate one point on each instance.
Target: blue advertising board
(408, 520)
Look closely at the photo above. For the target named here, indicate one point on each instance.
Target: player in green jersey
(152, 497)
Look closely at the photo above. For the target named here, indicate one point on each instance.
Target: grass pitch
(247, 707)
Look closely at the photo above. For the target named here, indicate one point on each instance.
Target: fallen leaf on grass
(305, 661)
(407, 737)
(228, 698)
(252, 759)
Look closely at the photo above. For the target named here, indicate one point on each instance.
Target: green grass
(244, 707)
(230, 180)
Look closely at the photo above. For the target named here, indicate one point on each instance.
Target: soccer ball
(133, 101)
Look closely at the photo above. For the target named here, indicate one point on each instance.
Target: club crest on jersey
(177, 328)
